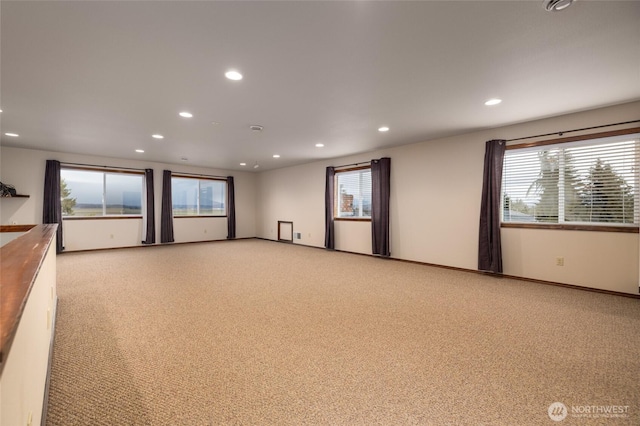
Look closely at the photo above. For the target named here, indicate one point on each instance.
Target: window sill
(565, 227)
(196, 216)
(354, 219)
(101, 217)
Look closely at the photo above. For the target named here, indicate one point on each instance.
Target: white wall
(354, 237)
(199, 229)
(300, 201)
(435, 204)
(24, 168)
(603, 260)
(93, 234)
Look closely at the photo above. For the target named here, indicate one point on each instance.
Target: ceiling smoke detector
(256, 128)
(557, 5)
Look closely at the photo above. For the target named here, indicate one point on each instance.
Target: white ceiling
(101, 77)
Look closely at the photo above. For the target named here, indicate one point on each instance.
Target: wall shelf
(18, 196)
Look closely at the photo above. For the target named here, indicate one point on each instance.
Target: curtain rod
(352, 164)
(104, 167)
(560, 133)
(198, 174)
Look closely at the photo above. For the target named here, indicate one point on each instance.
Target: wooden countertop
(20, 262)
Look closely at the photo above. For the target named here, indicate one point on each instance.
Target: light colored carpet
(263, 333)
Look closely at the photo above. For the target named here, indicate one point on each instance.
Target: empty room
(319, 212)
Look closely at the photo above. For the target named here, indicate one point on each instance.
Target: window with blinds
(592, 182)
(353, 193)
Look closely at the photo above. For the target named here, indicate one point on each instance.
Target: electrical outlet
(560, 261)
(205, 231)
(111, 236)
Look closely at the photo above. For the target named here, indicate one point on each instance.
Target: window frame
(595, 226)
(336, 196)
(104, 171)
(199, 178)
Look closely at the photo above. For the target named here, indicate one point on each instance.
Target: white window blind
(588, 182)
(353, 189)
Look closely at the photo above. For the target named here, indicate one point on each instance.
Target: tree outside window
(68, 203)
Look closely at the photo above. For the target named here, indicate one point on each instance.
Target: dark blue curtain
(380, 191)
(166, 219)
(490, 247)
(150, 230)
(231, 209)
(52, 205)
(329, 234)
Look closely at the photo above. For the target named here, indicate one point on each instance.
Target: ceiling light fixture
(140, 151)
(256, 128)
(319, 145)
(255, 166)
(494, 101)
(243, 164)
(184, 159)
(383, 129)
(233, 75)
(556, 5)
(185, 114)
(13, 135)
(157, 136)
(276, 156)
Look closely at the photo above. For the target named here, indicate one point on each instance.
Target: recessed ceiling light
(13, 135)
(185, 114)
(494, 101)
(276, 156)
(0, 110)
(256, 128)
(255, 166)
(157, 136)
(140, 150)
(215, 123)
(556, 5)
(233, 75)
(383, 129)
(319, 145)
(243, 164)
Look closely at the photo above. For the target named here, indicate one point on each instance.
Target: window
(98, 193)
(353, 194)
(592, 182)
(198, 196)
